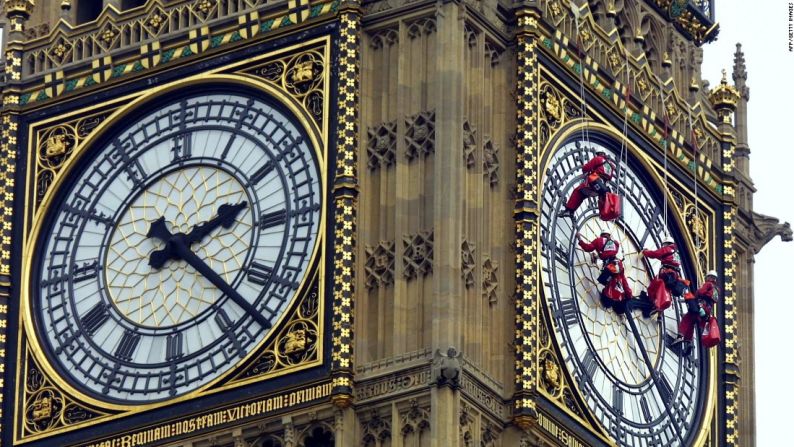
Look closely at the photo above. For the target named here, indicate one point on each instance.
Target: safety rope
(585, 130)
(694, 143)
(666, 149)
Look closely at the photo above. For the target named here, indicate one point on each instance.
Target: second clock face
(641, 398)
(177, 245)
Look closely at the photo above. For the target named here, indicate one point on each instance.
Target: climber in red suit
(670, 272)
(598, 171)
(612, 275)
(699, 309)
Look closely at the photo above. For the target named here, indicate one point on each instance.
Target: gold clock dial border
(647, 164)
(318, 140)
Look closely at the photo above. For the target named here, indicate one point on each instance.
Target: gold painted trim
(553, 144)
(134, 96)
(30, 246)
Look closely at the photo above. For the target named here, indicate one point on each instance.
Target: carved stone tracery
(414, 421)
(384, 38)
(490, 281)
(467, 264)
(379, 265)
(424, 26)
(490, 162)
(381, 145)
(375, 430)
(469, 144)
(418, 254)
(420, 134)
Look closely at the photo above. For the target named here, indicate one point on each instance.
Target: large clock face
(642, 391)
(176, 246)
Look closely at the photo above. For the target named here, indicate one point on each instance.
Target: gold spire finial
(724, 98)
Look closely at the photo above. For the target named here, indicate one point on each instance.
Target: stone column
(448, 215)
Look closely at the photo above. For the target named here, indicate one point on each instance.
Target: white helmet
(712, 273)
(668, 240)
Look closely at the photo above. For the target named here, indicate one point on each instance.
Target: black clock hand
(226, 216)
(158, 229)
(654, 374)
(184, 252)
(176, 248)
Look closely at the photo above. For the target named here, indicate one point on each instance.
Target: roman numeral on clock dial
(95, 318)
(272, 219)
(259, 273)
(126, 347)
(262, 172)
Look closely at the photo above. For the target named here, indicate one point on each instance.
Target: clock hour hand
(182, 250)
(159, 230)
(227, 214)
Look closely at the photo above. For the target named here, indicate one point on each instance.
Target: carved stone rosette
(418, 254)
(469, 144)
(467, 264)
(379, 265)
(381, 145)
(490, 281)
(490, 162)
(420, 134)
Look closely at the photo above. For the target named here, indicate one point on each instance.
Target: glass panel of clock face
(599, 347)
(126, 331)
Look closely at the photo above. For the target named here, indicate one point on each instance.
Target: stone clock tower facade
(337, 223)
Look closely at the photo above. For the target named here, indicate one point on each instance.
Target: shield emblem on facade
(249, 25)
(299, 10)
(199, 39)
(150, 54)
(101, 69)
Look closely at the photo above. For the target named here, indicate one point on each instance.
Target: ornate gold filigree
(46, 407)
(555, 383)
(295, 344)
(55, 145)
(556, 111)
(699, 225)
(302, 76)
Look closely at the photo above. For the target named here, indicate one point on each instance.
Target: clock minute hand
(184, 252)
(227, 214)
(654, 374)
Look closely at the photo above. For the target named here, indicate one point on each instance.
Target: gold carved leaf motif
(296, 343)
(302, 75)
(56, 144)
(556, 109)
(46, 406)
(554, 382)
(699, 224)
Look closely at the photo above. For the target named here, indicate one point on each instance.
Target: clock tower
(298, 223)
